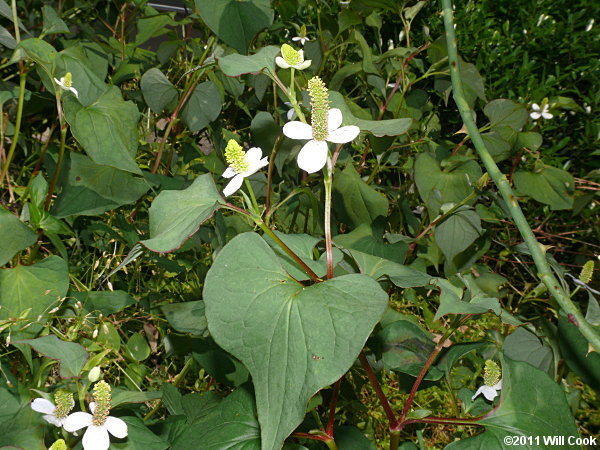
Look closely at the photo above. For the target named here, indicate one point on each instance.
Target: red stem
(332, 406)
(382, 398)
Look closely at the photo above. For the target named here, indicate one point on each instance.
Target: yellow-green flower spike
(319, 102)
(290, 56)
(236, 157)
(59, 445)
(102, 398)
(587, 272)
(64, 403)
(491, 373)
(68, 80)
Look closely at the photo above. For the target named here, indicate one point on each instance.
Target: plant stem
(178, 378)
(537, 251)
(286, 249)
(382, 398)
(332, 406)
(278, 142)
(328, 182)
(252, 197)
(61, 154)
(423, 372)
(15, 138)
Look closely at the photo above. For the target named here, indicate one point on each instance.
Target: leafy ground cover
(296, 224)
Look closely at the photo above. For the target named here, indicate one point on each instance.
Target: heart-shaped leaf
(235, 65)
(532, 405)
(236, 22)
(176, 215)
(20, 234)
(293, 339)
(71, 356)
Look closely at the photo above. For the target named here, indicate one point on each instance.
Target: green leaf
(293, 339)
(186, 317)
(91, 188)
(354, 201)
(52, 22)
(24, 430)
(550, 186)
(401, 275)
(379, 128)
(176, 215)
(85, 79)
(107, 302)
(472, 82)
(437, 187)
(138, 347)
(351, 438)
(406, 347)
(456, 352)
(218, 363)
(367, 240)
(21, 236)
(521, 345)
(158, 91)
(498, 147)
(452, 301)
(153, 24)
(531, 405)
(236, 23)
(302, 245)
(528, 139)
(38, 287)
(231, 425)
(575, 350)
(203, 106)
(458, 232)
(7, 39)
(40, 52)
(235, 65)
(106, 129)
(120, 396)
(503, 112)
(139, 437)
(71, 357)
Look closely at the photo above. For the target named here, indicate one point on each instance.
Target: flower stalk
(537, 251)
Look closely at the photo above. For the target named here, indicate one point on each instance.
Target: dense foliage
(280, 224)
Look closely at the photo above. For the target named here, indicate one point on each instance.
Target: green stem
(394, 440)
(328, 182)
(178, 378)
(15, 138)
(252, 197)
(537, 251)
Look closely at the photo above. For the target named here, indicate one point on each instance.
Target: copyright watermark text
(550, 440)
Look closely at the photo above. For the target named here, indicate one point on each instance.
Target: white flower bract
(540, 112)
(302, 39)
(489, 392)
(313, 156)
(255, 163)
(64, 86)
(96, 436)
(47, 408)
(294, 58)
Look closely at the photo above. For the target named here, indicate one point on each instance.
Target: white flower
(489, 392)
(540, 112)
(313, 156)
(253, 163)
(302, 39)
(589, 25)
(96, 436)
(67, 84)
(292, 58)
(47, 408)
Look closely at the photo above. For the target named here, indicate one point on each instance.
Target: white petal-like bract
(313, 156)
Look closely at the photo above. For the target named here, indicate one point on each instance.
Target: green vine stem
(15, 138)
(537, 251)
(328, 182)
